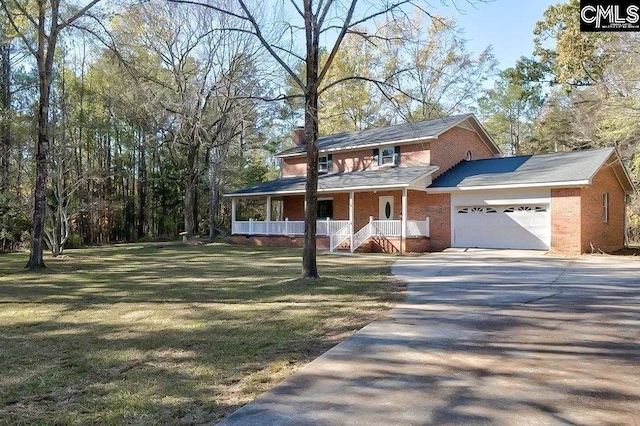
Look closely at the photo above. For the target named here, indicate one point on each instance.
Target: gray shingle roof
(381, 178)
(398, 132)
(527, 170)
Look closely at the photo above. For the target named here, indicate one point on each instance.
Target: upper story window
(325, 163)
(605, 207)
(388, 155)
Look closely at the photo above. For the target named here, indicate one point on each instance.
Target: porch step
(346, 246)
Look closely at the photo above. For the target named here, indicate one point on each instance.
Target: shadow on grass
(169, 334)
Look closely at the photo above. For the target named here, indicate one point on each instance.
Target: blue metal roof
(526, 170)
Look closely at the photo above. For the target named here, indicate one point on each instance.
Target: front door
(386, 208)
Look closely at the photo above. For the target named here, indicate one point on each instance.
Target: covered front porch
(381, 216)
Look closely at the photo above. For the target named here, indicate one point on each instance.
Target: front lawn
(170, 334)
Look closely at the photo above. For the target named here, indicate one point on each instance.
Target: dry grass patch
(170, 334)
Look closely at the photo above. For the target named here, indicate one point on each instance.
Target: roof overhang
(419, 183)
(470, 122)
(615, 162)
(566, 184)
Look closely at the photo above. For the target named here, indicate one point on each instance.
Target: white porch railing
(329, 227)
(338, 230)
(386, 228)
(284, 227)
(340, 236)
(418, 228)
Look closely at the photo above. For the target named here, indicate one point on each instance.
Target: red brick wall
(349, 161)
(352, 160)
(438, 209)
(296, 166)
(452, 146)
(604, 236)
(395, 245)
(340, 205)
(293, 207)
(565, 220)
(415, 154)
(390, 245)
(368, 204)
(447, 151)
(277, 241)
(417, 205)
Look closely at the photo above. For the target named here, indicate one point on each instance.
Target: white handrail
(361, 236)
(339, 237)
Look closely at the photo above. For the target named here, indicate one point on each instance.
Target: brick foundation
(375, 245)
(277, 241)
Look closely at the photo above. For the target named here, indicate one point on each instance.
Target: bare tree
(5, 110)
(329, 20)
(200, 82)
(46, 20)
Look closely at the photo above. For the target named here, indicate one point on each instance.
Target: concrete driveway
(485, 336)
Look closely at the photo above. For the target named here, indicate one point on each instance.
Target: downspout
(626, 221)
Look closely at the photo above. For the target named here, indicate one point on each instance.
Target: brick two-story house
(442, 183)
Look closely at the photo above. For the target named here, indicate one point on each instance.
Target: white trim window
(386, 156)
(325, 163)
(605, 207)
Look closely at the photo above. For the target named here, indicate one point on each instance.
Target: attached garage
(502, 219)
(568, 202)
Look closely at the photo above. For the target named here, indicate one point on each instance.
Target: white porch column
(269, 208)
(268, 215)
(404, 218)
(234, 202)
(351, 218)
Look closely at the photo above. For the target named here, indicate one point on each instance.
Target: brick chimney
(297, 135)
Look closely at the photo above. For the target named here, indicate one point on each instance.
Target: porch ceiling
(364, 180)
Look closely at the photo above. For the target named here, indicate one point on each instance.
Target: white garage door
(500, 221)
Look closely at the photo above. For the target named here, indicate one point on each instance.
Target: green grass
(170, 334)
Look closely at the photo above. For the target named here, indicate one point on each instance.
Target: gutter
(575, 183)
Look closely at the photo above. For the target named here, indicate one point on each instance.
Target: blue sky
(507, 25)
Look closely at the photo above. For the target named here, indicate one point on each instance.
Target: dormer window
(325, 163)
(390, 156)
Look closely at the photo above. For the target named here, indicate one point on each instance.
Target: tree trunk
(142, 195)
(213, 199)
(5, 105)
(46, 49)
(190, 188)
(35, 258)
(309, 266)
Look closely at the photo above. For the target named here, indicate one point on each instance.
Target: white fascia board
(325, 191)
(618, 162)
(264, 194)
(359, 147)
(568, 184)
